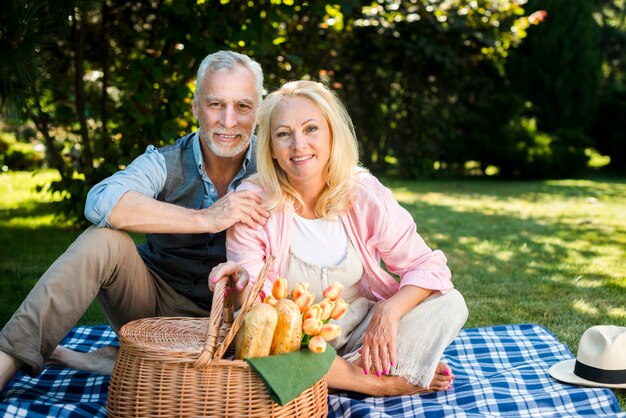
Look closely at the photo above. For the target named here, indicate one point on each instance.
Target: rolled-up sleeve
(146, 175)
(404, 251)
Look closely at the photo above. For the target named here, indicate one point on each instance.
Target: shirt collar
(197, 152)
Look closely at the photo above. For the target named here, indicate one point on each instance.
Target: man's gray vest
(185, 260)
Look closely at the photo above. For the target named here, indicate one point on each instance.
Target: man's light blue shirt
(147, 175)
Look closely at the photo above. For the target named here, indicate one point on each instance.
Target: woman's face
(301, 141)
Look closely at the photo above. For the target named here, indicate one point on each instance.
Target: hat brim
(564, 371)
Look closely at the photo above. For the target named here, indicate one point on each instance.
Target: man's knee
(105, 238)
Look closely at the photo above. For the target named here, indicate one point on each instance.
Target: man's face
(226, 110)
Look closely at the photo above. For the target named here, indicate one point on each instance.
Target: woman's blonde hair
(344, 154)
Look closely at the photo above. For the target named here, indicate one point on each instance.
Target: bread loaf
(254, 338)
(288, 333)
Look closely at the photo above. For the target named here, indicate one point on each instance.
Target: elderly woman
(331, 220)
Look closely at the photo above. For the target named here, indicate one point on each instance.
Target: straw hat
(600, 362)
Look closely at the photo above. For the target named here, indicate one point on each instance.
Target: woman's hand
(237, 280)
(379, 341)
(238, 276)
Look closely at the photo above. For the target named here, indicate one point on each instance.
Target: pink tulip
(312, 326)
(330, 331)
(299, 290)
(317, 344)
(333, 291)
(339, 310)
(305, 301)
(271, 300)
(314, 312)
(327, 307)
(279, 289)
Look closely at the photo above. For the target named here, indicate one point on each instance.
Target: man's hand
(236, 207)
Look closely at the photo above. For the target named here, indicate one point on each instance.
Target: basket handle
(217, 312)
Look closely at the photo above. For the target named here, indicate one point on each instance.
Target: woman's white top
(320, 254)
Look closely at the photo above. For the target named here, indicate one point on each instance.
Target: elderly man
(182, 197)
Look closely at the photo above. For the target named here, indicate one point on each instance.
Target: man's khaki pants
(102, 263)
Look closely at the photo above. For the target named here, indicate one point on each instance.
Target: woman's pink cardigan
(378, 227)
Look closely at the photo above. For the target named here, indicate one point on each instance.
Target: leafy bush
(558, 66)
(22, 157)
(18, 156)
(499, 132)
(4, 145)
(610, 125)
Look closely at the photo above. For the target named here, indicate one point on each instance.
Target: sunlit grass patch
(551, 252)
(546, 252)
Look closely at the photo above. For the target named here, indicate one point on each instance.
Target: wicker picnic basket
(175, 367)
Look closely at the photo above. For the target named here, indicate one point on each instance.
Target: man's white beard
(227, 152)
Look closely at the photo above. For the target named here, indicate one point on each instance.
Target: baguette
(254, 338)
(288, 333)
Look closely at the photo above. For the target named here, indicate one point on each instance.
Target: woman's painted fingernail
(391, 362)
(446, 372)
(449, 387)
(385, 371)
(377, 374)
(365, 371)
(214, 280)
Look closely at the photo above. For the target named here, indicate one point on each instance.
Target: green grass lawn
(546, 252)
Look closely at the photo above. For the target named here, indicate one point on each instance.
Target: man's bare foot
(9, 365)
(100, 361)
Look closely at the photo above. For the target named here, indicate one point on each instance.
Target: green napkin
(288, 375)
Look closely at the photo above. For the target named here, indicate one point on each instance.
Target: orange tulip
(312, 326)
(339, 310)
(317, 344)
(299, 290)
(271, 300)
(279, 289)
(314, 312)
(305, 301)
(327, 307)
(330, 331)
(333, 291)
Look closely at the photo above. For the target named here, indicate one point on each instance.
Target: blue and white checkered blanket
(499, 371)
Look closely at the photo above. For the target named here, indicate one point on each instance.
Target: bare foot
(441, 381)
(9, 365)
(98, 361)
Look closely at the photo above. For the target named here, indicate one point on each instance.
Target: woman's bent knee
(457, 309)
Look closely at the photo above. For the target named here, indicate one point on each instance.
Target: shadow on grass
(513, 270)
(34, 209)
(29, 243)
(607, 186)
(510, 270)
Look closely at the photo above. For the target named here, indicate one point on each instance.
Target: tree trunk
(54, 157)
(78, 34)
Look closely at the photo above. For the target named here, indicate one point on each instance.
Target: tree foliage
(609, 125)
(426, 81)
